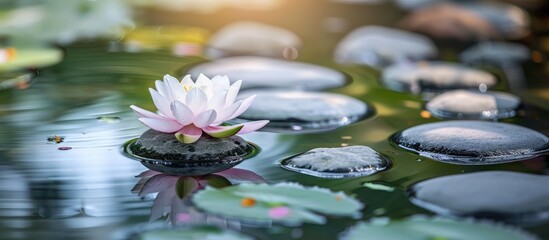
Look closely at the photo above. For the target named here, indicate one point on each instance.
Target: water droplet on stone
(108, 119)
(341, 162)
(259, 72)
(290, 53)
(473, 105)
(251, 38)
(380, 46)
(473, 142)
(307, 110)
(434, 77)
(500, 195)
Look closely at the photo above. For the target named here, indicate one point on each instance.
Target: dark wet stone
(461, 104)
(500, 195)
(162, 152)
(473, 142)
(341, 162)
(434, 77)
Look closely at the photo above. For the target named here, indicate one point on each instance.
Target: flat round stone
(261, 72)
(305, 109)
(501, 195)
(434, 77)
(341, 162)
(251, 38)
(162, 152)
(473, 142)
(380, 46)
(495, 53)
(463, 104)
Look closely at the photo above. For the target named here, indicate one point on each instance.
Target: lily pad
(422, 227)
(192, 233)
(287, 203)
(32, 58)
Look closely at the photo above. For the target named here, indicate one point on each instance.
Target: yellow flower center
(187, 87)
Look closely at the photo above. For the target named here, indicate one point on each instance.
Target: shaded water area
(80, 188)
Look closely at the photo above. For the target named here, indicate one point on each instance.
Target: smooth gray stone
(261, 72)
(434, 77)
(380, 46)
(341, 162)
(502, 195)
(498, 53)
(162, 152)
(252, 39)
(473, 142)
(282, 105)
(462, 104)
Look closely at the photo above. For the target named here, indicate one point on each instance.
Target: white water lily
(189, 108)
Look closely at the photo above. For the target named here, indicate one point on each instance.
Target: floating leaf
(305, 204)
(32, 58)
(194, 233)
(422, 227)
(217, 181)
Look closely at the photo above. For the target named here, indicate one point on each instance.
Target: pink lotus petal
(188, 134)
(197, 100)
(221, 83)
(241, 175)
(187, 80)
(246, 103)
(161, 125)
(161, 103)
(173, 86)
(233, 92)
(158, 183)
(279, 212)
(182, 113)
(161, 203)
(226, 113)
(148, 173)
(183, 218)
(205, 118)
(144, 113)
(249, 127)
(160, 87)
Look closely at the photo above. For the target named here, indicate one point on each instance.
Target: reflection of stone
(164, 153)
(473, 105)
(495, 53)
(251, 38)
(257, 72)
(353, 161)
(434, 77)
(473, 142)
(379, 46)
(501, 195)
(419, 227)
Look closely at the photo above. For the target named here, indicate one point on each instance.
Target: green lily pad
(32, 58)
(299, 203)
(422, 227)
(194, 233)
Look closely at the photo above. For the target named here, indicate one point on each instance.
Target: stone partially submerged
(380, 46)
(298, 110)
(342, 162)
(473, 142)
(261, 72)
(251, 38)
(501, 195)
(434, 77)
(463, 104)
(162, 152)
(495, 53)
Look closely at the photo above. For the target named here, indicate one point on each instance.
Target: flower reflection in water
(173, 191)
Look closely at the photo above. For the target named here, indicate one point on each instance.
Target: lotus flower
(189, 108)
